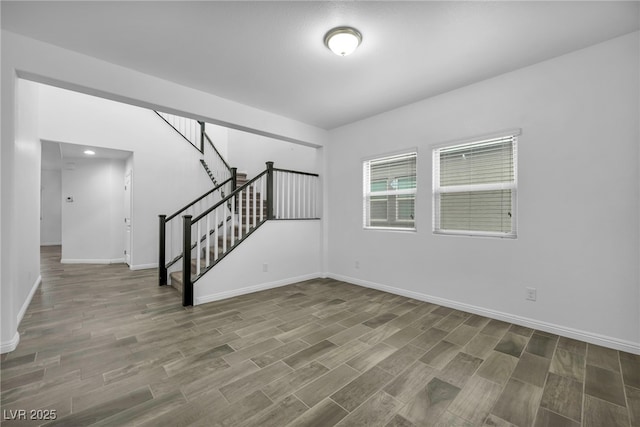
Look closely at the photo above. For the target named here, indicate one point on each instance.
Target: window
(389, 191)
(474, 187)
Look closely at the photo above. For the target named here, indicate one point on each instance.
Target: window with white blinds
(389, 192)
(475, 186)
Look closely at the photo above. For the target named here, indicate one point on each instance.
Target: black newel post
(201, 137)
(187, 287)
(162, 270)
(234, 182)
(269, 190)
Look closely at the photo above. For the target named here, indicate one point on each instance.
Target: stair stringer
(291, 250)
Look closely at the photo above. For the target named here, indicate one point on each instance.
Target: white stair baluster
(276, 195)
(207, 245)
(224, 229)
(198, 254)
(217, 236)
(288, 196)
(254, 204)
(233, 221)
(262, 198)
(281, 194)
(246, 210)
(303, 196)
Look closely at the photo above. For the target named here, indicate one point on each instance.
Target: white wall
(249, 153)
(219, 136)
(51, 209)
(291, 250)
(578, 217)
(166, 170)
(20, 206)
(92, 225)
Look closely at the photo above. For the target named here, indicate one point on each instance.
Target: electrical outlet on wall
(532, 294)
(265, 267)
(357, 265)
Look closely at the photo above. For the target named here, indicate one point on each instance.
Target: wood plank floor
(102, 345)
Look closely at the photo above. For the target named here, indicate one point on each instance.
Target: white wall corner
(24, 307)
(9, 346)
(593, 338)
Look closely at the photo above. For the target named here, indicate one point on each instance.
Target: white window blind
(474, 188)
(389, 191)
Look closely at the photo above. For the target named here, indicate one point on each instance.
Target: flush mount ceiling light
(89, 152)
(343, 40)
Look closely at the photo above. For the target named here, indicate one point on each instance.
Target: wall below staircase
(290, 250)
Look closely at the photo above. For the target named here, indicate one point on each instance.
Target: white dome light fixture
(89, 152)
(343, 40)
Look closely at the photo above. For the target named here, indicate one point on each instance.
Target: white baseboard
(251, 289)
(92, 261)
(8, 346)
(590, 337)
(51, 244)
(24, 307)
(143, 266)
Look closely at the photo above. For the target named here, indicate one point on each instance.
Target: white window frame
(513, 186)
(367, 194)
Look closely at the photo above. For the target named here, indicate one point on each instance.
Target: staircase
(225, 245)
(198, 236)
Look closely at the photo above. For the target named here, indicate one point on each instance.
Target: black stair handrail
(294, 171)
(202, 239)
(201, 149)
(217, 152)
(179, 211)
(229, 197)
(163, 265)
(189, 221)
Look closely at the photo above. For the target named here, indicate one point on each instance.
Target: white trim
(590, 337)
(24, 307)
(493, 135)
(8, 346)
(498, 186)
(390, 154)
(51, 244)
(402, 230)
(445, 232)
(250, 289)
(92, 261)
(391, 192)
(143, 266)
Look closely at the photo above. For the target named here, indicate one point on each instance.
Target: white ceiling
(271, 55)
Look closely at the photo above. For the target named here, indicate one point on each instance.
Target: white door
(127, 218)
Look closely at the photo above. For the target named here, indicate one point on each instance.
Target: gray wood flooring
(102, 345)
